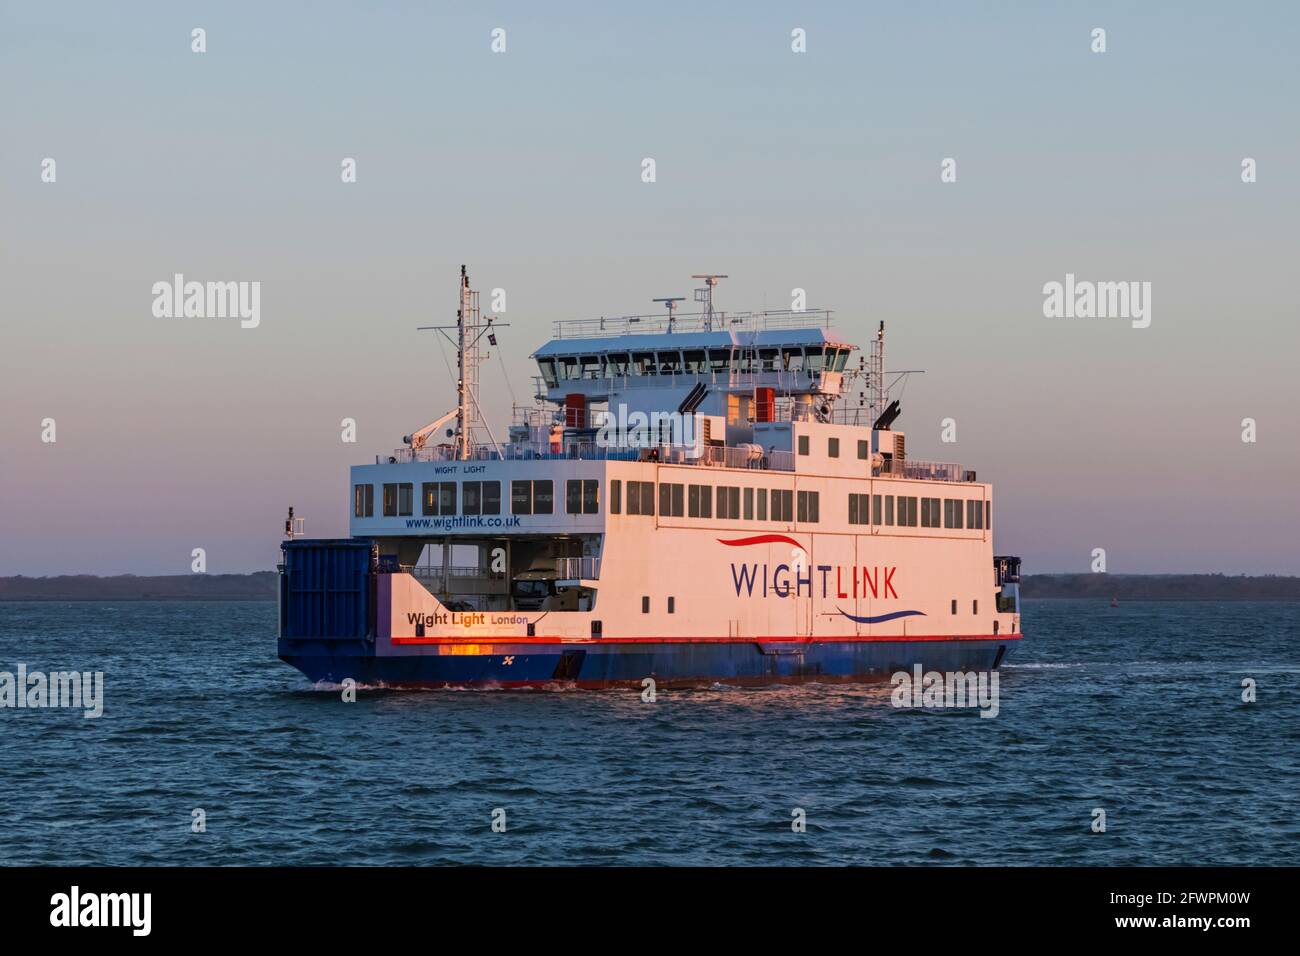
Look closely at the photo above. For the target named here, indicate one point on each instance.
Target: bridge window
(719, 359)
(792, 359)
(974, 514)
(547, 368)
(841, 357)
(670, 362)
(952, 513)
(768, 358)
(643, 363)
(808, 506)
(616, 364)
(363, 501)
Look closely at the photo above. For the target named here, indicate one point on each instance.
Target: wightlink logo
(798, 579)
(619, 428)
(208, 300)
(935, 689)
(35, 690)
(1082, 299)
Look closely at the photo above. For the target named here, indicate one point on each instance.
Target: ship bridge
(733, 366)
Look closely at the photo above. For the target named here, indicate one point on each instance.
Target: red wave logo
(761, 539)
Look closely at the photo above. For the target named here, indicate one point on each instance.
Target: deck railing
(658, 323)
(710, 455)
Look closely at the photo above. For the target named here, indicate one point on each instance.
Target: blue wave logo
(880, 618)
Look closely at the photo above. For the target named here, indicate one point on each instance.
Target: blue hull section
(628, 664)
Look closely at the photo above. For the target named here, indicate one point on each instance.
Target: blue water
(1136, 710)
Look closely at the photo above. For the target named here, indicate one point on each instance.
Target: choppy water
(1136, 710)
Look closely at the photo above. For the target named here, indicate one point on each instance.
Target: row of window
(812, 360)
(887, 510)
(726, 502)
(833, 447)
(582, 496)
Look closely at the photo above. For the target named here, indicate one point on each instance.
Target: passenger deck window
(439, 498)
(699, 501)
(782, 504)
(640, 497)
(363, 504)
(809, 506)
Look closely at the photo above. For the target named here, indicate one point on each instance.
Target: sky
(818, 170)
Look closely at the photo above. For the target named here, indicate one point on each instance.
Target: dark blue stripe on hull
(613, 665)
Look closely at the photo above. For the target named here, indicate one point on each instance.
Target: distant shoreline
(261, 586)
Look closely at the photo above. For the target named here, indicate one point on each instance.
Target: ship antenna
(672, 304)
(705, 295)
(470, 329)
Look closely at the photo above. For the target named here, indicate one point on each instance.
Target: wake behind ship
(693, 499)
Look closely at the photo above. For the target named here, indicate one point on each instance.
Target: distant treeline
(260, 586)
(1162, 587)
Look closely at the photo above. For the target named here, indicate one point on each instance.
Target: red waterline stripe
(848, 639)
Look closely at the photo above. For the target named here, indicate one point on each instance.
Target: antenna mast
(470, 328)
(876, 376)
(672, 304)
(705, 295)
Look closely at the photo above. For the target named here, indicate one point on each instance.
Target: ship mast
(705, 295)
(470, 329)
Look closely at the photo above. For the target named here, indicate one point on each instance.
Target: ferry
(713, 497)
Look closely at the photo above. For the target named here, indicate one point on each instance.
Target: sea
(1151, 733)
